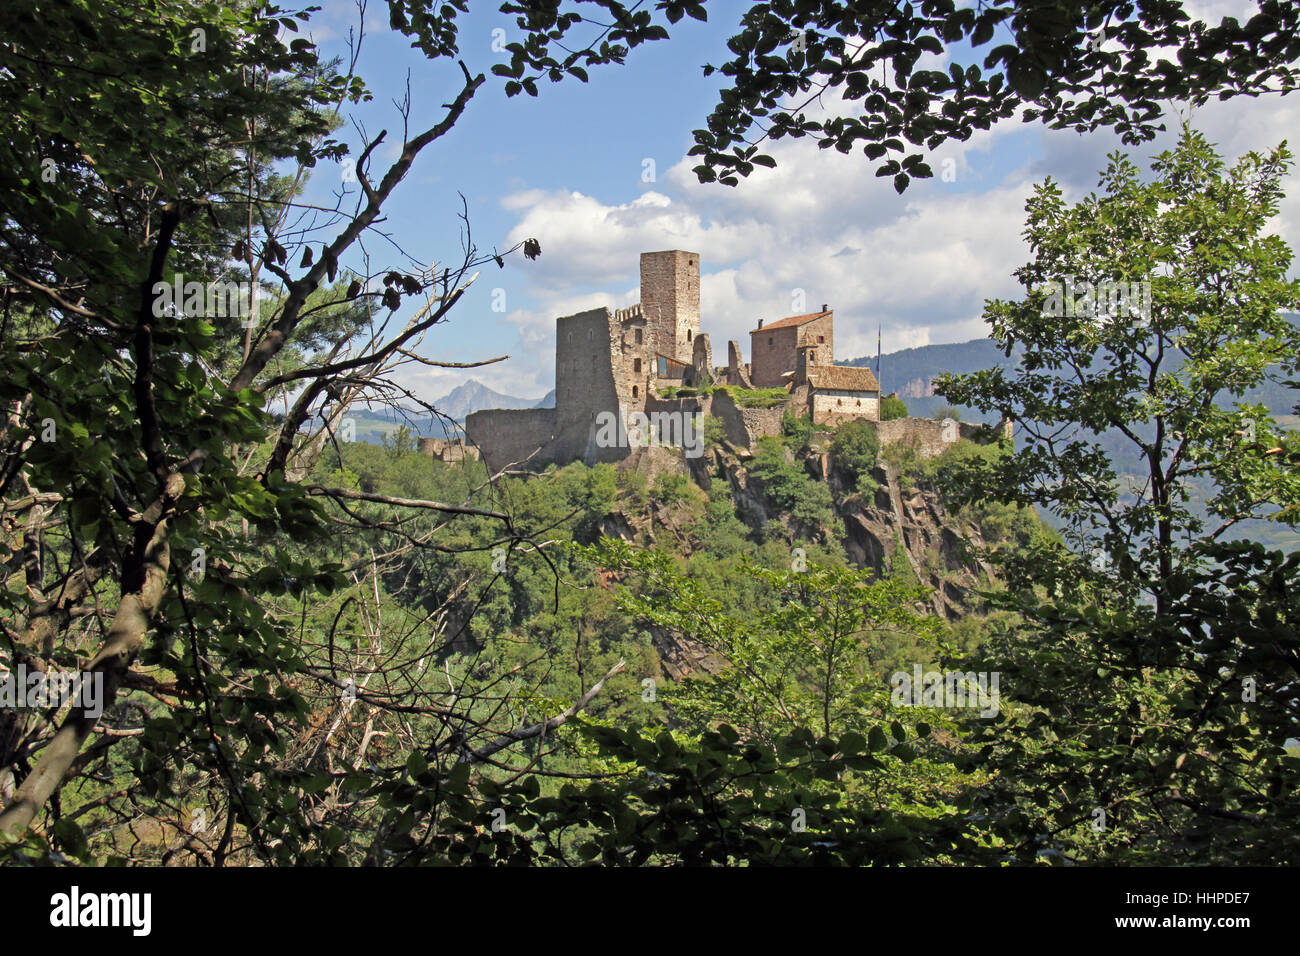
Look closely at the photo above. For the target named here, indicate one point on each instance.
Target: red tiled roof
(790, 323)
(843, 378)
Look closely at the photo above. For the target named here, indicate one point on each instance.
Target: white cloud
(921, 265)
(820, 225)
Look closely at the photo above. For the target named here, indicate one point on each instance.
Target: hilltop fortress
(626, 378)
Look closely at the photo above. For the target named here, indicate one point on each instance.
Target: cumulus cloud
(818, 229)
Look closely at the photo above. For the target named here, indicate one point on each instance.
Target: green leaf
(877, 739)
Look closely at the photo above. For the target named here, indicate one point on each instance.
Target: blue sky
(568, 168)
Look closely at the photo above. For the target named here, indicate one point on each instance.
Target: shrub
(855, 449)
(789, 488)
(714, 431)
(797, 430)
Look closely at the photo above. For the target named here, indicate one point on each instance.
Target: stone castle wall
(932, 436)
(745, 426)
(447, 449)
(771, 353)
(588, 353)
(505, 435)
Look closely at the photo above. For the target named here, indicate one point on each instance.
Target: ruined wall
(745, 426)
(737, 370)
(701, 360)
(505, 435)
(670, 299)
(447, 449)
(634, 355)
(672, 431)
(587, 353)
(932, 436)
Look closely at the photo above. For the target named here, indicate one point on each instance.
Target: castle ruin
(649, 366)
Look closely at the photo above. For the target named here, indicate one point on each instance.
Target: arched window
(688, 335)
(839, 401)
(590, 334)
(634, 391)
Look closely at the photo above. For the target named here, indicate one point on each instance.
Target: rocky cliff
(901, 522)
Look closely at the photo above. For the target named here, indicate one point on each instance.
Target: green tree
(142, 471)
(790, 489)
(1137, 737)
(1068, 66)
(1164, 369)
(1152, 677)
(807, 659)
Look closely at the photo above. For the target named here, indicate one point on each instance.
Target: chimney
(760, 323)
(825, 308)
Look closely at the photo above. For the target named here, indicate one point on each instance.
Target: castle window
(812, 358)
(570, 336)
(839, 401)
(590, 333)
(688, 335)
(638, 336)
(821, 339)
(636, 365)
(859, 403)
(770, 340)
(634, 391)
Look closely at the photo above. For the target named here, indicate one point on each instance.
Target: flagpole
(877, 354)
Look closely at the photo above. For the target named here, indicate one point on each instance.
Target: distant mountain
(474, 396)
(370, 425)
(911, 372)
(548, 400)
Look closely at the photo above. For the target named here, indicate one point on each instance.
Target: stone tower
(670, 301)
